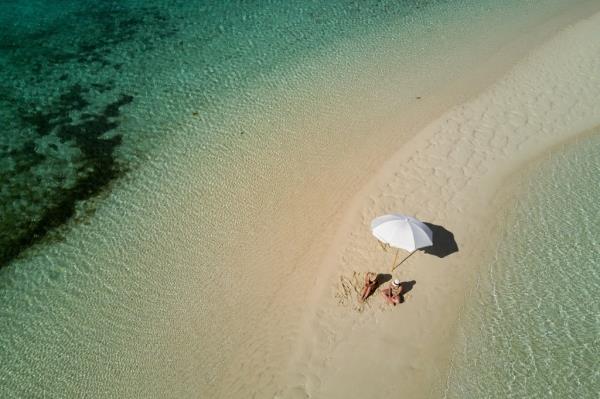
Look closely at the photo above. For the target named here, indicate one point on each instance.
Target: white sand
(447, 175)
(237, 313)
(221, 277)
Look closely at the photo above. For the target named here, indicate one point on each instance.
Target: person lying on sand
(369, 287)
(393, 294)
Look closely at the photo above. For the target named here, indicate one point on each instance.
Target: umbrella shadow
(443, 242)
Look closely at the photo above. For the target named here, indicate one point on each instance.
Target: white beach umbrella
(402, 232)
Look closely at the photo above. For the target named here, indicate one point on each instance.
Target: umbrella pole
(394, 266)
(395, 258)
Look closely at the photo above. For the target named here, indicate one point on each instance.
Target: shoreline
(516, 189)
(471, 187)
(164, 251)
(264, 349)
(508, 189)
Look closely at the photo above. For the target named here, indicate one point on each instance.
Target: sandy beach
(447, 175)
(283, 240)
(227, 263)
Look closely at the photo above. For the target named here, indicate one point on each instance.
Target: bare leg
(368, 287)
(387, 295)
(364, 294)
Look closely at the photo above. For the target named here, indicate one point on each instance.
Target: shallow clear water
(142, 93)
(90, 90)
(532, 327)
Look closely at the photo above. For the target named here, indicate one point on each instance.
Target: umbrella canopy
(401, 231)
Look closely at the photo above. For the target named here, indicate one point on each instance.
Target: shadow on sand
(443, 242)
(407, 286)
(381, 279)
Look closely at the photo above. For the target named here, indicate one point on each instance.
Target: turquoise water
(85, 84)
(93, 92)
(90, 90)
(532, 328)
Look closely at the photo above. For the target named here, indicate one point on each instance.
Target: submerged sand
(206, 284)
(446, 175)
